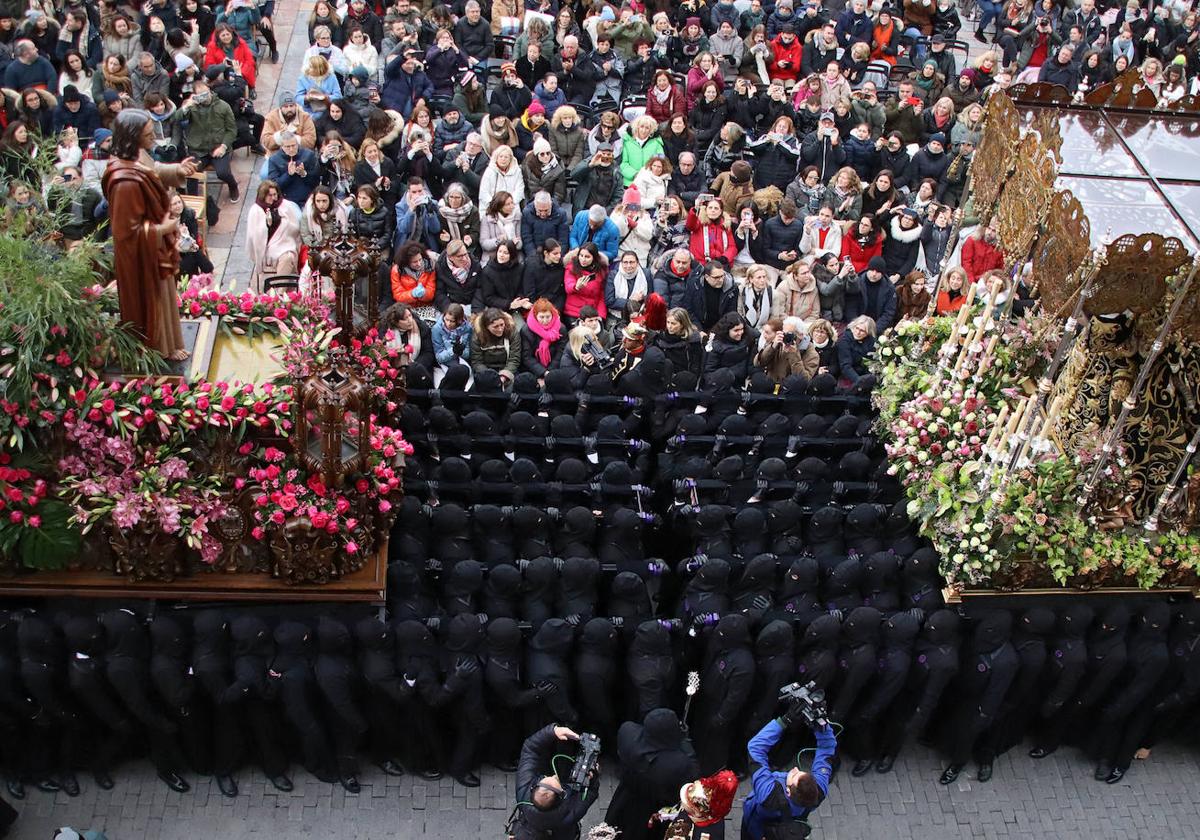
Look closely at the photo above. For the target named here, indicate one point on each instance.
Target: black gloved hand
(794, 716)
(546, 688)
(762, 602)
(466, 666)
(572, 619)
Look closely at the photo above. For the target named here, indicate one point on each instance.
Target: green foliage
(54, 544)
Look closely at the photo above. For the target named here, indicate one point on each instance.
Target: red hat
(709, 800)
(536, 107)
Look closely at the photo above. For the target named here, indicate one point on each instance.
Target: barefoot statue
(146, 254)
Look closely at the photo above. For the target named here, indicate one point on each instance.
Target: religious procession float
(1055, 452)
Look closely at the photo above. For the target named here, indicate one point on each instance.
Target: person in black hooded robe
(410, 538)
(576, 535)
(798, 598)
(493, 535)
(596, 665)
(863, 529)
(629, 602)
(620, 542)
(501, 596)
(253, 650)
(385, 694)
(408, 596)
(292, 670)
(880, 581)
(461, 587)
(774, 667)
(451, 529)
(1148, 661)
(43, 672)
(1030, 632)
(504, 680)
(651, 667)
(532, 532)
(785, 522)
(842, 590)
(176, 684)
(726, 677)
(749, 527)
(1173, 701)
(212, 667)
(656, 759)
(710, 530)
(20, 739)
(751, 595)
(897, 637)
(338, 682)
(823, 533)
(127, 667)
(856, 660)
(816, 657)
(920, 586)
(1066, 664)
(899, 533)
(577, 589)
(707, 593)
(540, 591)
(991, 665)
(550, 662)
(935, 664)
(464, 713)
(109, 727)
(1106, 653)
(417, 661)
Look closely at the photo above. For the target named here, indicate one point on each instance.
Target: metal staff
(1173, 484)
(1113, 436)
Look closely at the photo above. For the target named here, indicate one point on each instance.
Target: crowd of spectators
(745, 180)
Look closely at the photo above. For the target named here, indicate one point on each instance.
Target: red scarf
(548, 335)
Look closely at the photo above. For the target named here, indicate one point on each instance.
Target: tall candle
(998, 425)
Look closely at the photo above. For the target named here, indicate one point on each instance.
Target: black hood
(293, 639)
(1153, 622)
(732, 631)
(38, 641)
(1109, 634)
(846, 578)
(1076, 621)
(413, 640)
(822, 633)
(503, 588)
(629, 600)
(464, 580)
(1037, 622)
(168, 637)
(373, 634)
(824, 532)
(775, 639)
(210, 634)
(503, 638)
(802, 576)
(251, 637)
(84, 635)
(126, 634)
(598, 637)
(862, 626)
(900, 631)
(464, 634)
(992, 631)
(333, 638)
(554, 638)
(661, 729)
(921, 567)
(541, 580)
(941, 628)
(863, 529)
(579, 580)
(758, 576)
(880, 571)
(651, 639)
(712, 576)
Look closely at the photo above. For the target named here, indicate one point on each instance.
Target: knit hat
(71, 94)
(508, 67)
(607, 13)
(541, 145)
(631, 198)
(215, 72)
(496, 110)
(361, 74)
(741, 172)
(287, 98)
(877, 264)
(536, 107)
(709, 800)
(183, 63)
(937, 137)
(693, 21)
(100, 135)
(465, 79)
(111, 97)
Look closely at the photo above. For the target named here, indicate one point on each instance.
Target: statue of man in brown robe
(145, 250)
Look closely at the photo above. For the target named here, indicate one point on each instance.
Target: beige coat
(302, 125)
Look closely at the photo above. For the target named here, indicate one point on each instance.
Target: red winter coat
(241, 54)
(592, 294)
(719, 239)
(860, 256)
(978, 257)
(676, 103)
(782, 52)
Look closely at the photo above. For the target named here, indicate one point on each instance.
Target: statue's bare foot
(1142, 754)
(179, 355)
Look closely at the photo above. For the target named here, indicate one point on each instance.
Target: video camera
(586, 762)
(808, 700)
(601, 358)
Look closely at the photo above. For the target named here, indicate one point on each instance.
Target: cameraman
(545, 809)
(779, 800)
(785, 349)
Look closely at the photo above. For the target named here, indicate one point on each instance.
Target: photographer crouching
(779, 801)
(550, 807)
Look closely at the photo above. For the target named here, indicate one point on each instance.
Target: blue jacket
(443, 342)
(851, 353)
(763, 805)
(39, 74)
(607, 239)
(85, 121)
(430, 223)
(535, 231)
(293, 187)
(402, 90)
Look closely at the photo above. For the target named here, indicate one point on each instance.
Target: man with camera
(546, 808)
(779, 801)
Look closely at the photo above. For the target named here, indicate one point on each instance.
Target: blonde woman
(503, 173)
(317, 86)
(754, 301)
(640, 144)
(567, 138)
(940, 117)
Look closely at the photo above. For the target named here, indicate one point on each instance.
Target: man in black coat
(656, 758)
(546, 810)
(253, 649)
